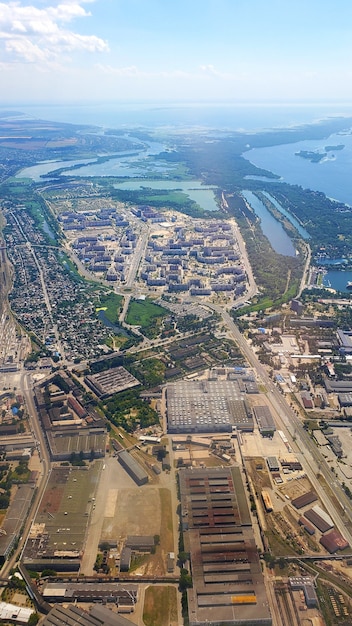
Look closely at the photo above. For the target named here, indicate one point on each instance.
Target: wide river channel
(138, 164)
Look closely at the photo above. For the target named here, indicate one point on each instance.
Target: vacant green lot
(111, 304)
(147, 315)
(160, 607)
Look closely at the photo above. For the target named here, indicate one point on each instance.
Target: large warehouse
(228, 585)
(106, 383)
(206, 406)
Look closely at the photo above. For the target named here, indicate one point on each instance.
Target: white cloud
(25, 49)
(209, 69)
(131, 70)
(30, 34)
(135, 72)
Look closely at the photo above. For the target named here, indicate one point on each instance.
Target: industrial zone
(160, 466)
(221, 417)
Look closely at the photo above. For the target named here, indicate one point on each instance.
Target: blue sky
(193, 50)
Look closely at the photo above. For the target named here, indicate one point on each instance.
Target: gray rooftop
(206, 406)
(72, 615)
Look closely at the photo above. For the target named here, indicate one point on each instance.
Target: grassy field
(142, 312)
(171, 197)
(111, 305)
(70, 266)
(160, 606)
(147, 315)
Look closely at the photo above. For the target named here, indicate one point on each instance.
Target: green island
(315, 156)
(311, 155)
(339, 146)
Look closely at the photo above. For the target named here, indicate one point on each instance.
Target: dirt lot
(141, 511)
(136, 512)
(297, 487)
(260, 477)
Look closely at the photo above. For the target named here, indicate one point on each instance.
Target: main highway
(310, 457)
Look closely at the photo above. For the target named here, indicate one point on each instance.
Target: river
(272, 229)
(132, 163)
(302, 231)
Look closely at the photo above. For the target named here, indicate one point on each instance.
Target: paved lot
(256, 445)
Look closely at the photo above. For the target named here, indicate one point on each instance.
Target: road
(305, 276)
(270, 592)
(287, 420)
(44, 289)
(300, 441)
(139, 253)
(26, 387)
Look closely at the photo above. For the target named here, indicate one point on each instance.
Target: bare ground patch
(259, 474)
(143, 511)
(137, 512)
(296, 488)
(160, 606)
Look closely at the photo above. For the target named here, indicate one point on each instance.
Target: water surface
(331, 175)
(338, 279)
(134, 162)
(302, 231)
(201, 194)
(271, 228)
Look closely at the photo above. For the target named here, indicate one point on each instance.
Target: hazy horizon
(238, 117)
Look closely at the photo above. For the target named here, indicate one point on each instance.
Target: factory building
(228, 585)
(133, 468)
(265, 420)
(207, 406)
(306, 584)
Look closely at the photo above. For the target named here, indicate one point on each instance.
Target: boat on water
(349, 285)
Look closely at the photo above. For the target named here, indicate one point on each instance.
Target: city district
(170, 454)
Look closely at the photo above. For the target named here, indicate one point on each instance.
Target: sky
(69, 51)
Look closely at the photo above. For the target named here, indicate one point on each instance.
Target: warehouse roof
(228, 584)
(11, 612)
(133, 467)
(334, 541)
(304, 499)
(206, 406)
